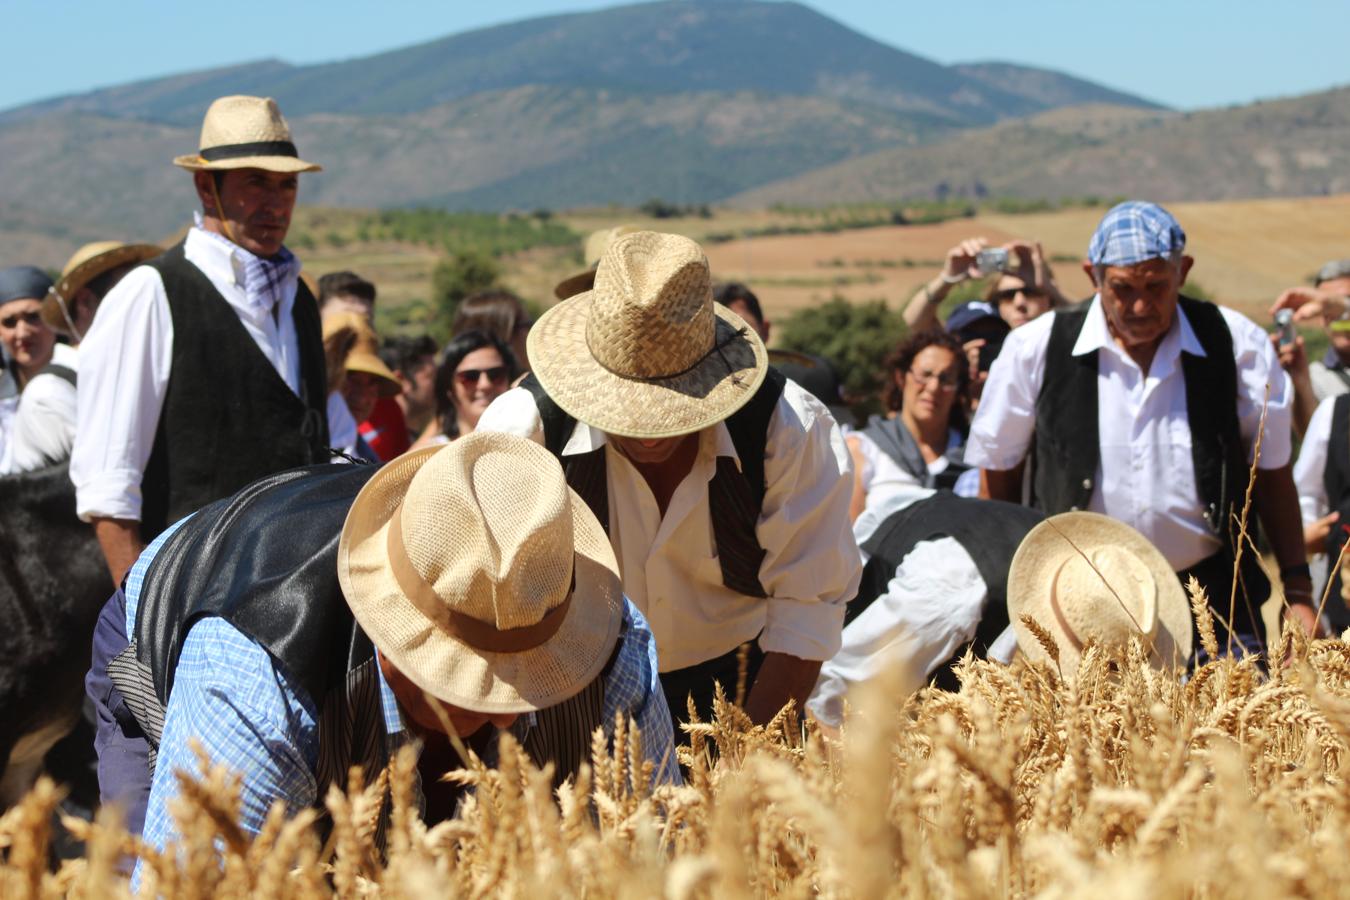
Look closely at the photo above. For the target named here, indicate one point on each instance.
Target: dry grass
(1120, 781)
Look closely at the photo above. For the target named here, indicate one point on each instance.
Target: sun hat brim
(575, 284)
(373, 365)
(723, 382)
(445, 666)
(68, 285)
(286, 164)
(1038, 560)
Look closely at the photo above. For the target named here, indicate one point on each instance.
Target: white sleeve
(1005, 421)
(811, 563)
(1312, 464)
(125, 362)
(1258, 367)
(514, 412)
(342, 430)
(931, 607)
(44, 426)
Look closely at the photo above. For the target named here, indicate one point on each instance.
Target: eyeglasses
(32, 317)
(470, 377)
(1011, 293)
(946, 382)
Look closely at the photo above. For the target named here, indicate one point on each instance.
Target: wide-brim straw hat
(87, 263)
(363, 355)
(1084, 576)
(646, 353)
(596, 243)
(481, 576)
(241, 132)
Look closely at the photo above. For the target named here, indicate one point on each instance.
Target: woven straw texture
(646, 353)
(244, 120)
(486, 527)
(363, 353)
(1086, 576)
(86, 264)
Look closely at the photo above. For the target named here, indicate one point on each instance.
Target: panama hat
(363, 350)
(596, 243)
(481, 576)
(242, 132)
(88, 262)
(1084, 576)
(646, 353)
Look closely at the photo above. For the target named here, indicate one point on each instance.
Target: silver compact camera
(991, 260)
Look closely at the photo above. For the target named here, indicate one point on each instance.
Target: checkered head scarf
(1134, 232)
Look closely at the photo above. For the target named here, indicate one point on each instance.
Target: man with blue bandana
(204, 368)
(1148, 406)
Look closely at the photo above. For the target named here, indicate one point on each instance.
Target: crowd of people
(328, 544)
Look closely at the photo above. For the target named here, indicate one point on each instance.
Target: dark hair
(729, 292)
(496, 311)
(103, 282)
(335, 284)
(402, 353)
(902, 357)
(460, 346)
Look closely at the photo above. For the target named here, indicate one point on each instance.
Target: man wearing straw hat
(723, 486)
(1148, 406)
(44, 426)
(204, 368)
(323, 617)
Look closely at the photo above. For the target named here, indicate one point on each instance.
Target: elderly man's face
(1140, 301)
(256, 205)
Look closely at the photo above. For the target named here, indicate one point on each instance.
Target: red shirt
(386, 431)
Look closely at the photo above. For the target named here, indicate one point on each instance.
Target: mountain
(1291, 147)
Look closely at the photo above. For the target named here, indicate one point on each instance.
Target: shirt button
(1073, 509)
(1087, 484)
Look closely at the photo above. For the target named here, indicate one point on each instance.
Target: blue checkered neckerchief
(1135, 232)
(265, 280)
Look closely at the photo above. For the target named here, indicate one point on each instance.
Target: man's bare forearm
(1002, 484)
(781, 678)
(121, 542)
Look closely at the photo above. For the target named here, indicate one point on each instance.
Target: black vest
(735, 496)
(989, 530)
(228, 417)
(1067, 447)
(1336, 480)
(265, 560)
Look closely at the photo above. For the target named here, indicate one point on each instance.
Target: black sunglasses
(12, 321)
(1011, 293)
(469, 377)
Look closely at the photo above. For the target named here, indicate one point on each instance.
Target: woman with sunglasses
(28, 343)
(1021, 290)
(476, 367)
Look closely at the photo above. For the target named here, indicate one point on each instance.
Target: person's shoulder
(799, 408)
(133, 295)
(1036, 333)
(514, 412)
(1241, 327)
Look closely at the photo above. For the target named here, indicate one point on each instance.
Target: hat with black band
(241, 132)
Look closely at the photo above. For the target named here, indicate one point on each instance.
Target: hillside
(1294, 147)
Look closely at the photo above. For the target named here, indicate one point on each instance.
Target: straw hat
(481, 576)
(1086, 576)
(363, 351)
(89, 262)
(245, 133)
(646, 353)
(596, 243)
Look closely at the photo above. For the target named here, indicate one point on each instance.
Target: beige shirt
(669, 564)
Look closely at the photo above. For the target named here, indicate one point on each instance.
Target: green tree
(855, 337)
(455, 278)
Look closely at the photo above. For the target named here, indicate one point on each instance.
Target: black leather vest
(228, 417)
(1067, 447)
(989, 530)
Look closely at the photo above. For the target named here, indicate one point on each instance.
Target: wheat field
(1115, 780)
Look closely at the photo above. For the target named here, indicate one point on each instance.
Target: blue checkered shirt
(233, 697)
(1134, 232)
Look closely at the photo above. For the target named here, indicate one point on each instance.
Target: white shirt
(669, 564)
(9, 405)
(1313, 502)
(44, 425)
(125, 361)
(1145, 475)
(930, 609)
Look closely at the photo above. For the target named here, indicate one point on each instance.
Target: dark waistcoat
(735, 496)
(228, 417)
(989, 530)
(1336, 480)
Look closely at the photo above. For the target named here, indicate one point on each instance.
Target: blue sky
(1185, 53)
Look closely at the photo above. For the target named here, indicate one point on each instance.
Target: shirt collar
(1180, 338)
(266, 282)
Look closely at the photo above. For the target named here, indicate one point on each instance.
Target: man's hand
(1308, 303)
(1305, 616)
(1293, 358)
(960, 263)
(781, 678)
(1315, 533)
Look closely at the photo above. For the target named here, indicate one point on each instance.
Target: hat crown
(651, 310)
(1107, 595)
(241, 119)
(487, 525)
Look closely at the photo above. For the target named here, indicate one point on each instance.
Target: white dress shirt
(669, 563)
(1145, 475)
(931, 608)
(44, 424)
(125, 362)
(1311, 467)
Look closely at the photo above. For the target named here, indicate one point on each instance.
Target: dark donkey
(53, 582)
